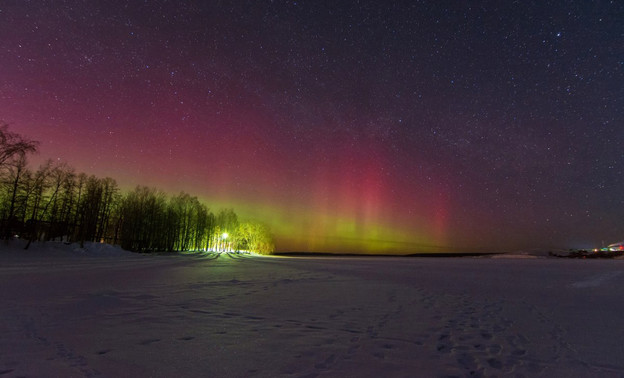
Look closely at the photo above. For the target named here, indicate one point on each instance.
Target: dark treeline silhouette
(54, 202)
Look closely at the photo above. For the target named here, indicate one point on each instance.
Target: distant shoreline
(422, 254)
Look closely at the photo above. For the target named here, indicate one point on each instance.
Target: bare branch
(13, 145)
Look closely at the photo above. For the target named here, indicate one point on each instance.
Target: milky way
(345, 126)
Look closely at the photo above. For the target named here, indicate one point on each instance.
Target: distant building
(616, 246)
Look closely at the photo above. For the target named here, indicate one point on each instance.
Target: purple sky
(345, 126)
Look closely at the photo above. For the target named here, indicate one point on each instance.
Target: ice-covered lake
(126, 315)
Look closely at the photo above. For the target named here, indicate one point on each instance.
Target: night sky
(347, 126)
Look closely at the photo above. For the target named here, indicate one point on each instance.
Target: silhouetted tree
(144, 220)
(37, 200)
(66, 210)
(14, 145)
(13, 151)
(97, 199)
(11, 182)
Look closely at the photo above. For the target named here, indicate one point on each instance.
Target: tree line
(54, 202)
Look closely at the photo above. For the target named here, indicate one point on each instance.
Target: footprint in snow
(149, 341)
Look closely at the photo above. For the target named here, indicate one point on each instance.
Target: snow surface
(101, 311)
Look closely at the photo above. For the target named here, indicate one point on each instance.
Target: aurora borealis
(350, 126)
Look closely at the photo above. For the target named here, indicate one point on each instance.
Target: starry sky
(346, 126)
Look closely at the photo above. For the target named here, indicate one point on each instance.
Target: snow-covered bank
(15, 248)
(252, 316)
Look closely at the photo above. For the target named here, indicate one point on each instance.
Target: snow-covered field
(70, 312)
